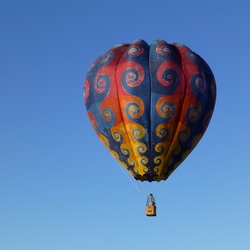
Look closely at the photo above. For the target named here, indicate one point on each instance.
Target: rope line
(132, 180)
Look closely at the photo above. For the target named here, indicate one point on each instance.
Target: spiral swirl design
(125, 151)
(144, 161)
(159, 148)
(108, 114)
(166, 109)
(169, 77)
(162, 132)
(141, 148)
(183, 136)
(109, 117)
(131, 162)
(135, 50)
(138, 133)
(163, 50)
(118, 136)
(193, 115)
(198, 84)
(176, 151)
(156, 170)
(101, 83)
(133, 110)
(133, 76)
(157, 161)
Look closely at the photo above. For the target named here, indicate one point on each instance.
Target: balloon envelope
(150, 105)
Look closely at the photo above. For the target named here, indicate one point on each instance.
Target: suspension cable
(132, 180)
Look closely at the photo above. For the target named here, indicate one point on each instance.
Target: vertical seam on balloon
(183, 100)
(150, 111)
(94, 95)
(118, 96)
(191, 136)
(163, 169)
(204, 113)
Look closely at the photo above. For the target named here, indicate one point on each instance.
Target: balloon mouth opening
(150, 178)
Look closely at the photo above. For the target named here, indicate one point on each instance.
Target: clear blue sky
(59, 187)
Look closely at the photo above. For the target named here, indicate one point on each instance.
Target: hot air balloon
(150, 105)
